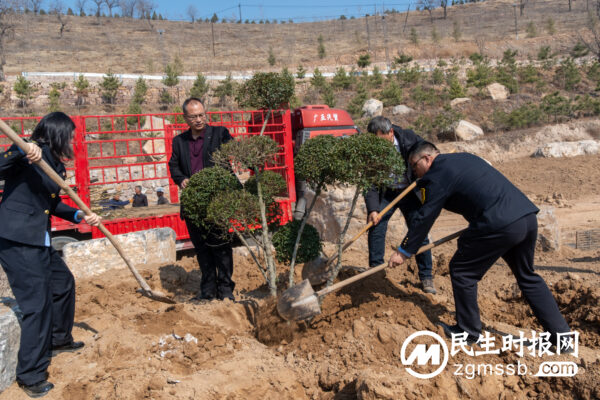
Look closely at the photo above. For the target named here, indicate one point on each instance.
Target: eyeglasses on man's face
(414, 164)
(192, 117)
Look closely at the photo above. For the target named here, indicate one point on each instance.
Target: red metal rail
(115, 150)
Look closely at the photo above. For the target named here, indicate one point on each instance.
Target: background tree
(110, 86)
(34, 5)
(225, 89)
(8, 19)
(138, 98)
(127, 7)
(110, 4)
(364, 60)
(80, 5)
(171, 79)
(98, 4)
(57, 9)
(54, 97)
(23, 89)
(321, 47)
(192, 13)
(200, 87)
(81, 89)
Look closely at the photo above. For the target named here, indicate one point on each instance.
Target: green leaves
(273, 185)
(317, 163)
(266, 90)
(202, 188)
(233, 207)
(285, 239)
(247, 153)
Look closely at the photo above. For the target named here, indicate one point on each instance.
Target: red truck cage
(113, 150)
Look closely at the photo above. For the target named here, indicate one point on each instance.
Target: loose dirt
(137, 348)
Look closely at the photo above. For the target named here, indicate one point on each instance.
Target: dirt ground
(137, 348)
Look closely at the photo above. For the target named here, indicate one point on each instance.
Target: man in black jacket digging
(376, 200)
(192, 151)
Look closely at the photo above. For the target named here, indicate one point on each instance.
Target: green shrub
(341, 80)
(437, 76)
(579, 50)
(172, 72)
(480, 76)
(531, 30)
(435, 36)
(110, 85)
(556, 106)
(273, 185)
(376, 78)
(202, 188)
(54, 99)
(391, 94)
(300, 72)
(364, 60)
(328, 96)
(403, 59)
(321, 48)
(357, 102)
(593, 71)
(408, 76)
(586, 106)
(522, 117)
(284, 241)
(226, 88)
(529, 74)
(139, 91)
(544, 53)
(413, 36)
(455, 89)
(23, 89)
(423, 95)
(456, 31)
(476, 58)
(550, 27)
(271, 59)
(200, 86)
(567, 74)
(318, 80)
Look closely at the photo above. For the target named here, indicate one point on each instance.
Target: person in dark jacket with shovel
(502, 223)
(40, 280)
(377, 199)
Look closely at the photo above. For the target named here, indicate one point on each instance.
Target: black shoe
(202, 299)
(37, 390)
(226, 296)
(454, 329)
(67, 348)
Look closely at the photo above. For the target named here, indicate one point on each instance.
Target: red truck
(112, 151)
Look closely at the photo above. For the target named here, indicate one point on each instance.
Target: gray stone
(498, 91)
(548, 230)
(459, 100)
(465, 130)
(372, 108)
(10, 336)
(93, 257)
(5, 290)
(401, 110)
(568, 149)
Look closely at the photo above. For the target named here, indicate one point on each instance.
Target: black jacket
(30, 197)
(180, 164)
(139, 200)
(407, 139)
(467, 185)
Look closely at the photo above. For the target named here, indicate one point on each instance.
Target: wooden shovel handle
(16, 139)
(370, 224)
(383, 266)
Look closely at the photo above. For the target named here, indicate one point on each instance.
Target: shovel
(317, 271)
(145, 290)
(301, 302)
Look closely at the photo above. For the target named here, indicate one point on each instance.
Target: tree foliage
(284, 241)
(267, 90)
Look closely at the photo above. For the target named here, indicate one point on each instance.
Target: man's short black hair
(423, 147)
(379, 124)
(188, 101)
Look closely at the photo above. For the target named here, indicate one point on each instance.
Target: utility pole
(516, 28)
(368, 33)
(240, 8)
(406, 19)
(212, 30)
(385, 41)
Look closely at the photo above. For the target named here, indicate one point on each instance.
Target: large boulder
(93, 257)
(10, 336)
(401, 110)
(548, 230)
(568, 149)
(498, 91)
(372, 108)
(465, 130)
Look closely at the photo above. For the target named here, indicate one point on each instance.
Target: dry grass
(134, 46)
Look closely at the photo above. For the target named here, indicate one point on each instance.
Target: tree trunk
(272, 282)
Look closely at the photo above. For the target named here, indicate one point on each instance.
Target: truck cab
(314, 120)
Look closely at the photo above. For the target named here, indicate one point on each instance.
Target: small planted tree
(171, 78)
(23, 89)
(321, 48)
(200, 87)
(226, 88)
(364, 60)
(54, 97)
(267, 91)
(139, 96)
(368, 161)
(81, 89)
(110, 85)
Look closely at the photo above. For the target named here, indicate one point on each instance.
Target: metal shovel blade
(299, 302)
(156, 295)
(317, 271)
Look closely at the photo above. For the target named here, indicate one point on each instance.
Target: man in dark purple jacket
(192, 151)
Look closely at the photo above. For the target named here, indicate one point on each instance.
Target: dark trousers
(476, 253)
(215, 257)
(45, 292)
(408, 206)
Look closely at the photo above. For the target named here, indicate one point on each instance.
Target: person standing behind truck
(377, 199)
(40, 280)
(192, 151)
(160, 194)
(139, 199)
